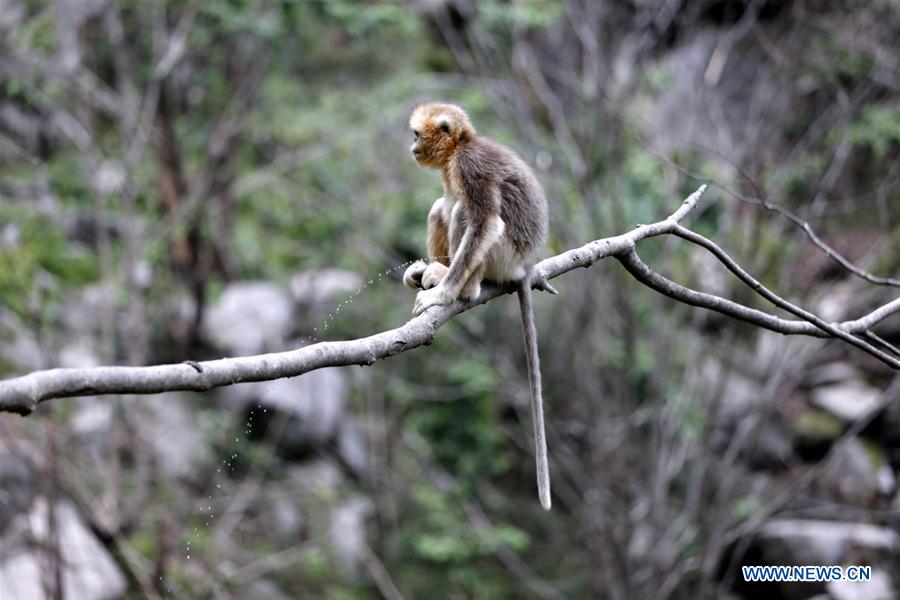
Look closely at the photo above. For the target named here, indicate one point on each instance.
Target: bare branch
(22, 394)
(643, 273)
(780, 302)
(760, 200)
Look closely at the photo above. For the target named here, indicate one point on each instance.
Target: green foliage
(877, 131)
(816, 426)
(530, 14)
(834, 62)
(440, 549)
(40, 264)
(470, 447)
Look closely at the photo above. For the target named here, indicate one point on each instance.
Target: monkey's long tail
(537, 401)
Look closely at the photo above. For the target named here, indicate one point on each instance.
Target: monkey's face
(438, 130)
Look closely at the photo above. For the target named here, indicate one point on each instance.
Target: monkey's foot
(433, 275)
(436, 296)
(412, 278)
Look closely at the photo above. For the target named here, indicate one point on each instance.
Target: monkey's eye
(445, 128)
(415, 135)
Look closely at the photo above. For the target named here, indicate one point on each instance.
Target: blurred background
(197, 179)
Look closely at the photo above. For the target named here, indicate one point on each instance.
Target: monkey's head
(438, 132)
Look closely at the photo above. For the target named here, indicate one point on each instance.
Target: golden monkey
(488, 226)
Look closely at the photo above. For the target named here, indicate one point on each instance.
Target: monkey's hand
(421, 276)
(436, 296)
(412, 278)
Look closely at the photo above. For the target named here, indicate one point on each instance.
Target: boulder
(319, 477)
(86, 310)
(739, 394)
(18, 487)
(249, 317)
(858, 474)
(313, 403)
(90, 424)
(353, 447)
(830, 374)
(174, 434)
(819, 542)
(347, 535)
(879, 587)
(770, 449)
(318, 286)
(19, 347)
(88, 570)
(813, 427)
(849, 400)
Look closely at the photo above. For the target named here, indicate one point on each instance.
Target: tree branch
(22, 394)
(643, 273)
(780, 302)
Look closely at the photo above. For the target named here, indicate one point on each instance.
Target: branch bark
(23, 394)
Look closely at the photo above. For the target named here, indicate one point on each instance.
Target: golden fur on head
(439, 129)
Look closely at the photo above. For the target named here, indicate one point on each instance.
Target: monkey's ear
(464, 134)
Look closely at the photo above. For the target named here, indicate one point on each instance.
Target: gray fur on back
(523, 206)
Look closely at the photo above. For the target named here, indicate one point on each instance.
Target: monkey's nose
(417, 152)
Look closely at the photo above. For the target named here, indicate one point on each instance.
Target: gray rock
(314, 404)
(347, 534)
(19, 347)
(318, 477)
(174, 434)
(90, 424)
(11, 13)
(109, 177)
(854, 475)
(740, 394)
(708, 272)
(80, 353)
(771, 448)
(17, 488)
(353, 448)
(831, 373)
(316, 399)
(879, 587)
(837, 304)
(848, 401)
(249, 317)
(86, 310)
(284, 516)
(318, 286)
(818, 542)
(88, 570)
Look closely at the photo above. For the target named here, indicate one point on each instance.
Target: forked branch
(23, 394)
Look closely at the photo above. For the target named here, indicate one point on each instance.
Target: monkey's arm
(473, 248)
(438, 235)
(421, 275)
(484, 228)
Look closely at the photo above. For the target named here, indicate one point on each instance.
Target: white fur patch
(416, 122)
(502, 263)
(443, 119)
